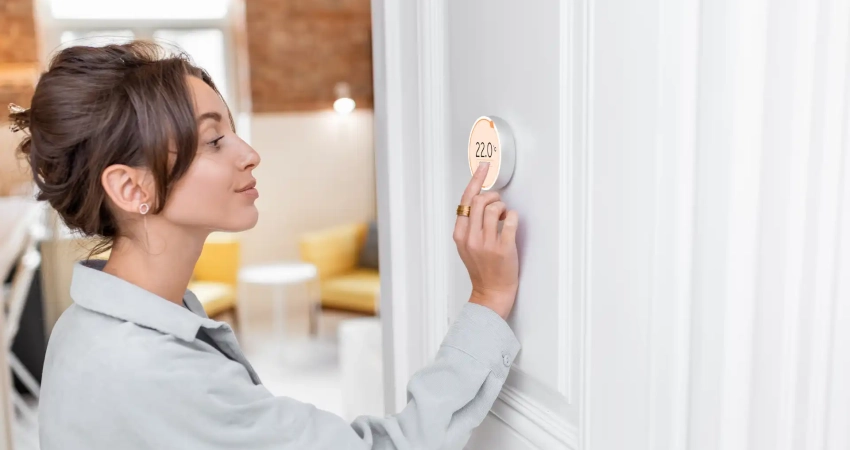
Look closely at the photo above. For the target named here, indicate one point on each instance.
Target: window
(200, 28)
(95, 38)
(135, 10)
(206, 48)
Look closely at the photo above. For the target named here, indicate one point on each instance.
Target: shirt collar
(97, 291)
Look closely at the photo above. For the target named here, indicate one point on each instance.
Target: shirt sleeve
(452, 396)
(446, 401)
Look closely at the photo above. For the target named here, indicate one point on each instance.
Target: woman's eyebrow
(209, 115)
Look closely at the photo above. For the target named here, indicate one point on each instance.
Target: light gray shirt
(126, 370)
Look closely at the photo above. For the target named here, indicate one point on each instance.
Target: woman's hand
(490, 257)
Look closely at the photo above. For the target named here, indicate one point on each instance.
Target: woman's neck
(161, 266)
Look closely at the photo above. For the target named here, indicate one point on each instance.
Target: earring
(144, 208)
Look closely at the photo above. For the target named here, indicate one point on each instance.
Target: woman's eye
(215, 142)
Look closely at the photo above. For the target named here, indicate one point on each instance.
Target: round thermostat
(491, 140)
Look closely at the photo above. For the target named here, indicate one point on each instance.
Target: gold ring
(463, 210)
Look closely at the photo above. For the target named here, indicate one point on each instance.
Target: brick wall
(17, 32)
(299, 49)
(18, 65)
(18, 50)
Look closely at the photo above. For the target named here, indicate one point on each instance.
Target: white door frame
(410, 133)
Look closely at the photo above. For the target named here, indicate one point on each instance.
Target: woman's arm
(446, 400)
(223, 409)
(450, 397)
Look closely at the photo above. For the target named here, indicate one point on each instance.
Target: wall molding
(673, 230)
(433, 102)
(399, 214)
(838, 381)
(587, 11)
(534, 422)
(745, 53)
(797, 205)
(388, 122)
(567, 208)
(833, 79)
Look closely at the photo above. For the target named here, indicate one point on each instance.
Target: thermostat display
(491, 140)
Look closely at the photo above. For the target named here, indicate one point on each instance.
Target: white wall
(710, 181)
(317, 170)
(719, 166)
(768, 302)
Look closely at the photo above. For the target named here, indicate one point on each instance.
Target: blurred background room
(301, 288)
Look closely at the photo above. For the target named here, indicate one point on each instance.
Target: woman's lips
(250, 189)
(251, 192)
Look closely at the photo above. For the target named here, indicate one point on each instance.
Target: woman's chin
(243, 221)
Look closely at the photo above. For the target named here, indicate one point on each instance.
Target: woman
(137, 147)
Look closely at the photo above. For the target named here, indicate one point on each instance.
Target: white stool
(279, 275)
(361, 365)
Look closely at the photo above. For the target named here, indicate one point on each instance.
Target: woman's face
(217, 192)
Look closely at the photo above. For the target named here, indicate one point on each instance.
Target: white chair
(15, 300)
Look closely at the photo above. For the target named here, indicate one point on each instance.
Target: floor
(303, 368)
(298, 366)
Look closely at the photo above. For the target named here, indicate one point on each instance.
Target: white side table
(279, 275)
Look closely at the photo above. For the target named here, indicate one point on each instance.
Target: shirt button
(506, 359)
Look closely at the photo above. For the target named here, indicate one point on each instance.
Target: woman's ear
(128, 187)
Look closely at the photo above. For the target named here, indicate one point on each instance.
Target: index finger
(475, 185)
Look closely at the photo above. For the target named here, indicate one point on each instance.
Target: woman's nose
(251, 158)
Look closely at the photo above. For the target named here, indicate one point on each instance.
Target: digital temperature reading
(484, 151)
(492, 141)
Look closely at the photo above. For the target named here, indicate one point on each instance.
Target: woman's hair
(98, 106)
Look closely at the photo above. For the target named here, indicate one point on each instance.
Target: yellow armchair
(344, 284)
